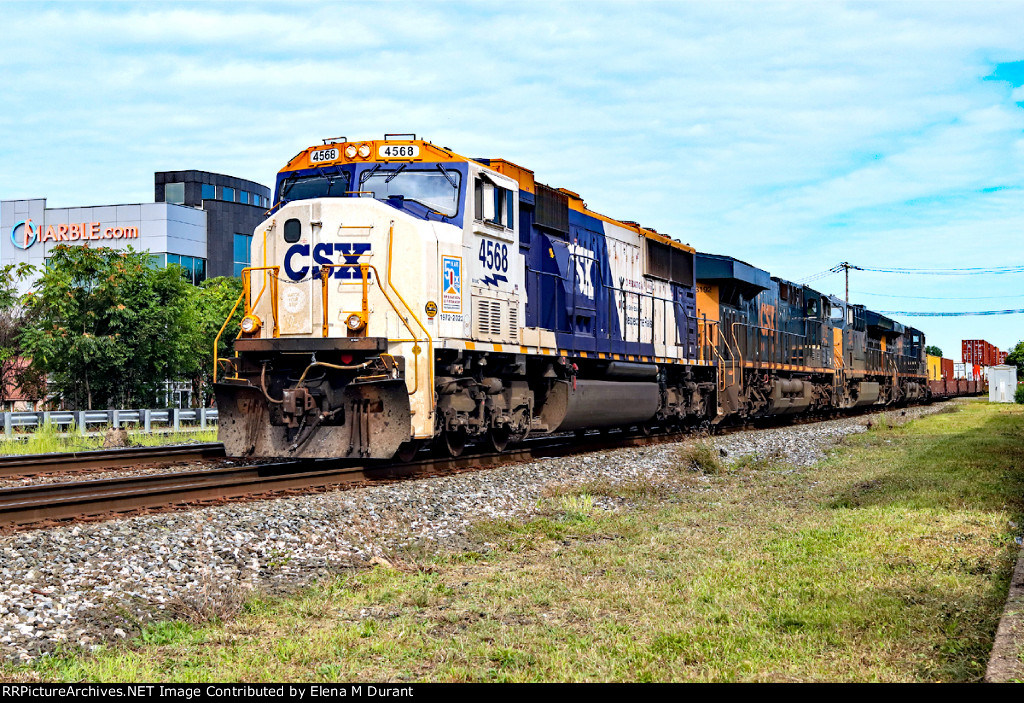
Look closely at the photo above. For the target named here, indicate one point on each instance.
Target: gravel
(96, 582)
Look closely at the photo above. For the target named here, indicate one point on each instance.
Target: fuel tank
(595, 404)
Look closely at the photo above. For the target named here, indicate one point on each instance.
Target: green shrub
(1018, 395)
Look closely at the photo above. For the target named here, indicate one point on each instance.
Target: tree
(107, 328)
(1016, 357)
(13, 365)
(209, 305)
(933, 350)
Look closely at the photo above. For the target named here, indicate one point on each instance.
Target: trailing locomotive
(783, 348)
(400, 293)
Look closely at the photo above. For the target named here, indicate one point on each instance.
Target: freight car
(400, 293)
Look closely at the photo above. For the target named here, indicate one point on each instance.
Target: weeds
(576, 508)
(702, 456)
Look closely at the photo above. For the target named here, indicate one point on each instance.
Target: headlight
(364, 150)
(250, 324)
(355, 322)
(350, 151)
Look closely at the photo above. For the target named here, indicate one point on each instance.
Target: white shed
(1002, 383)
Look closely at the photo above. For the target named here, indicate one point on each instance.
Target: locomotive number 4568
(493, 255)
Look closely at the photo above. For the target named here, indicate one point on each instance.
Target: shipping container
(978, 352)
(947, 369)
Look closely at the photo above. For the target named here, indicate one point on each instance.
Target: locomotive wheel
(455, 441)
(498, 438)
(407, 451)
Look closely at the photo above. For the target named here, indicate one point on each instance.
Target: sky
(792, 135)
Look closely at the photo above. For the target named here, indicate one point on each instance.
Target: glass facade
(174, 193)
(242, 244)
(227, 205)
(194, 267)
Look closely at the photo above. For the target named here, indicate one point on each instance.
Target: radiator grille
(488, 317)
(513, 322)
(495, 319)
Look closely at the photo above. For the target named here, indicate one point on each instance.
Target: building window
(174, 193)
(227, 194)
(242, 244)
(243, 197)
(209, 192)
(194, 268)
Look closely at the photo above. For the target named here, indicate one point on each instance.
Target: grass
(702, 456)
(47, 439)
(889, 561)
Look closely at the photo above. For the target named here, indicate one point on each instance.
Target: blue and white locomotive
(400, 293)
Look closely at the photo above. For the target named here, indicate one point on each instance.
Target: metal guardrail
(80, 420)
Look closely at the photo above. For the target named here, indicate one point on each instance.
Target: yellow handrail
(430, 341)
(364, 269)
(245, 295)
(216, 341)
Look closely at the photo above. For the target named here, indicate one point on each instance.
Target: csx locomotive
(399, 294)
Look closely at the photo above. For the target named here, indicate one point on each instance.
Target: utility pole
(845, 266)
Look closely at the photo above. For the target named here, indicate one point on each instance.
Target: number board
(321, 155)
(398, 151)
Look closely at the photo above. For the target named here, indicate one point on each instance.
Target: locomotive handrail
(739, 352)
(430, 341)
(245, 295)
(247, 290)
(713, 346)
(702, 327)
(265, 276)
(364, 268)
(616, 292)
(324, 278)
(775, 332)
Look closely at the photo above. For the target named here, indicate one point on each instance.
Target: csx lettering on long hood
(296, 259)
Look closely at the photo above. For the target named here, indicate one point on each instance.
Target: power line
(980, 271)
(816, 276)
(966, 271)
(926, 297)
(951, 314)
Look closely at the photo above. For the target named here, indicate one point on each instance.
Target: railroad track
(100, 459)
(48, 504)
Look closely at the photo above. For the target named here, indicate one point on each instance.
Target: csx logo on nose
(322, 255)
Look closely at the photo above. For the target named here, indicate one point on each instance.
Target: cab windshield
(319, 185)
(435, 188)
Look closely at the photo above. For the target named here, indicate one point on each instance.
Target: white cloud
(791, 135)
